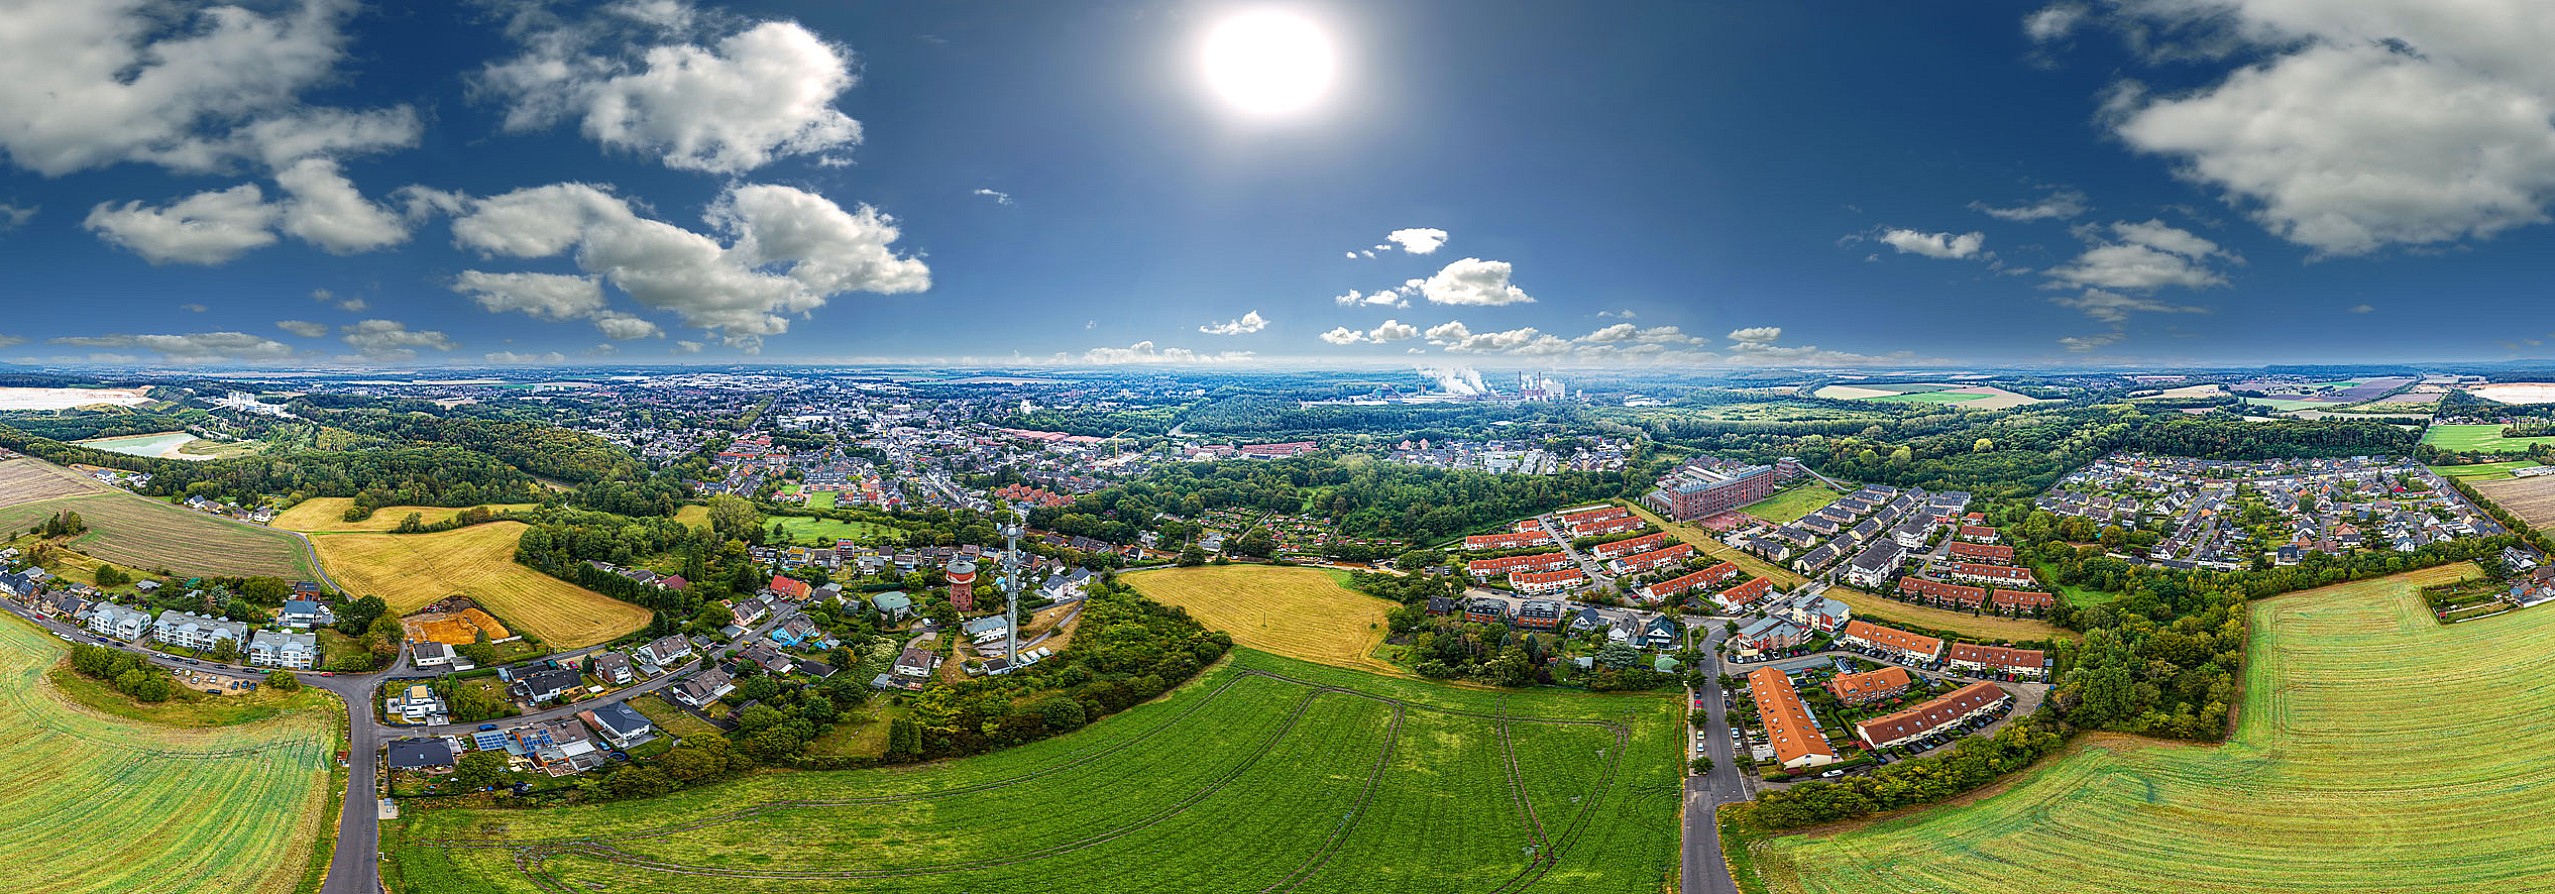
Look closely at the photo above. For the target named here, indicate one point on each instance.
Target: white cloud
(623, 327)
(999, 197)
(194, 308)
(200, 347)
(91, 84)
(303, 328)
(2060, 204)
(788, 251)
(1388, 331)
(2054, 21)
(1417, 240)
(205, 228)
(2143, 257)
(548, 296)
(1757, 335)
(1147, 352)
(703, 101)
(2112, 307)
(2363, 308)
(1615, 314)
(1756, 346)
(15, 216)
(1246, 324)
(1947, 246)
(352, 305)
(2084, 343)
(1473, 281)
(392, 341)
(1393, 297)
(515, 358)
(2374, 123)
(686, 347)
(325, 210)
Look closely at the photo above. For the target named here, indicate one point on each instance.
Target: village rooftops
(1894, 638)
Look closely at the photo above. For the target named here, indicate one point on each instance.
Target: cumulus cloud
(2060, 204)
(91, 84)
(2371, 124)
(1760, 335)
(1615, 314)
(1947, 246)
(2054, 21)
(1417, 240)
(1244, 325)
(687, 347)
(206, 228)
(999, 197)
(1473, 281)
(1147, 352)
(787, 251)
(1759, 346)
(324, 209)
(1389, 331)
(660, 80)
(513, 358)
(200, 347)
(391, 341)
(624, 327)
(2084, 343)
(2143, 257)
(303, 328)
(1394, 297)
(548, 296)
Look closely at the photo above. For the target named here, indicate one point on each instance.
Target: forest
(1363, 496)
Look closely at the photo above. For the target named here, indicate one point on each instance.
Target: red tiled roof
(1999, 656)
(1929, 716)
(1869, 685)
(1783, 719)
(1893, 638)
(1989, 551)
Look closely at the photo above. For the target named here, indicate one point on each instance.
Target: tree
(480, 769)
(1618, 656)
(1191, 557)
(734, 518)
(111, 576)
(1701, 765)
(226, 651)
(356, 618)
(283, 681)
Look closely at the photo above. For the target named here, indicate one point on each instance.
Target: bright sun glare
(1268, 62)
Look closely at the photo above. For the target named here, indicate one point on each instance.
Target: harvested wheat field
(1297, 612)
(328, 515)
(2377, 751)
(27, 480)
(411, 571)
(2532, 498)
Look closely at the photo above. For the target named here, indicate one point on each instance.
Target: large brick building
(1704, 487)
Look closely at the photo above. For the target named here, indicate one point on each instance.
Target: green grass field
(825, 530)
(99, 804)
(2482, 471)
(1792, 504)
(2378, 751)
(1265, 774)
(2478, 439)
(142, 533)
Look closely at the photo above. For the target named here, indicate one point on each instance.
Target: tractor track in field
(531, 857)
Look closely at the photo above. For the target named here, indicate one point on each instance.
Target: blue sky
(2137, 181)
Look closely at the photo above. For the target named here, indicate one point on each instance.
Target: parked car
(486, 727)
(1831, 774)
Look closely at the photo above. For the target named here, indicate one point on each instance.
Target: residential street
(1703, 871)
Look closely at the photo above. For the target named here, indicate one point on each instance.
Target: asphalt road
(1704, 872)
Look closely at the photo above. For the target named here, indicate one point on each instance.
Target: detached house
(297, 651)
(706, 687)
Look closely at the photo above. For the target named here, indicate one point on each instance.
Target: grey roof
(618, 719)
(417, 754)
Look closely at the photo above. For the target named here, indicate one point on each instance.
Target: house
(666, 650)
(792, 589)
(1941, 593)
(304, 614)
(1978, 534)
(559, 747)
(1891, 640)
(987, 629)
(1870, 686)
(1445, 605)
(1482, 569)
(1486, 610)
(1539, 614)
(1766, 634)
(1998, 575)
(417, 704)
(611, 667)
(1660, 633)
(1998, 659)
(798, 631)
(618, 725)
(892, 606)
(16, 584)
(1913, 533)
(1874, 565)
(546, 684)
(195, 631)
(1709, 577)
(916, 663)
(1815, 611)
(271, 648)
(1962, 705)
(421, 755)
(768, 657)
(430, 654)
(1539, 582)
(711, 683)
(747, 611)
(1785, 721)
(112, 620)
(1966, 551)
(1621, 548)
(2021, 602)
(1743, 595)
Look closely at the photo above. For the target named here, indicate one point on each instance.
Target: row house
(1785, 721)
(1519, 540)
(1535, 582)
(1640, 562)
(1628, 546)
(1483, 568)
(1962, 705)
(1941, 594)
(1992, 574)
(1870, 686)
(1980, 552)
(1709, 577)
(1740, 597)
(1915, 648)
(1998, 659)
(2021, 602)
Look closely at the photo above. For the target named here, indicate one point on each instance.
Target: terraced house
(1893, 641)
(193, 631)
(1785, 721)
(1963, 704)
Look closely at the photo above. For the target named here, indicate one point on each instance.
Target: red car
(328, 673)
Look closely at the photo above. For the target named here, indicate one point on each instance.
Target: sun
(1268, 62)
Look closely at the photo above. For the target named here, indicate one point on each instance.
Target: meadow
(410, 571)
(328, 515)
(1264, 775)
(2377, 751)
(142, 533)
(238, 808)
(2478, 439)
(1301, 613)
(1791, 505)
(2482, 471)
(824, 531)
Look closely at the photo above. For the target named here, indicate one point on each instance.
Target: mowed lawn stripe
(410, 571)
(2377, 751)
(1297, 612)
